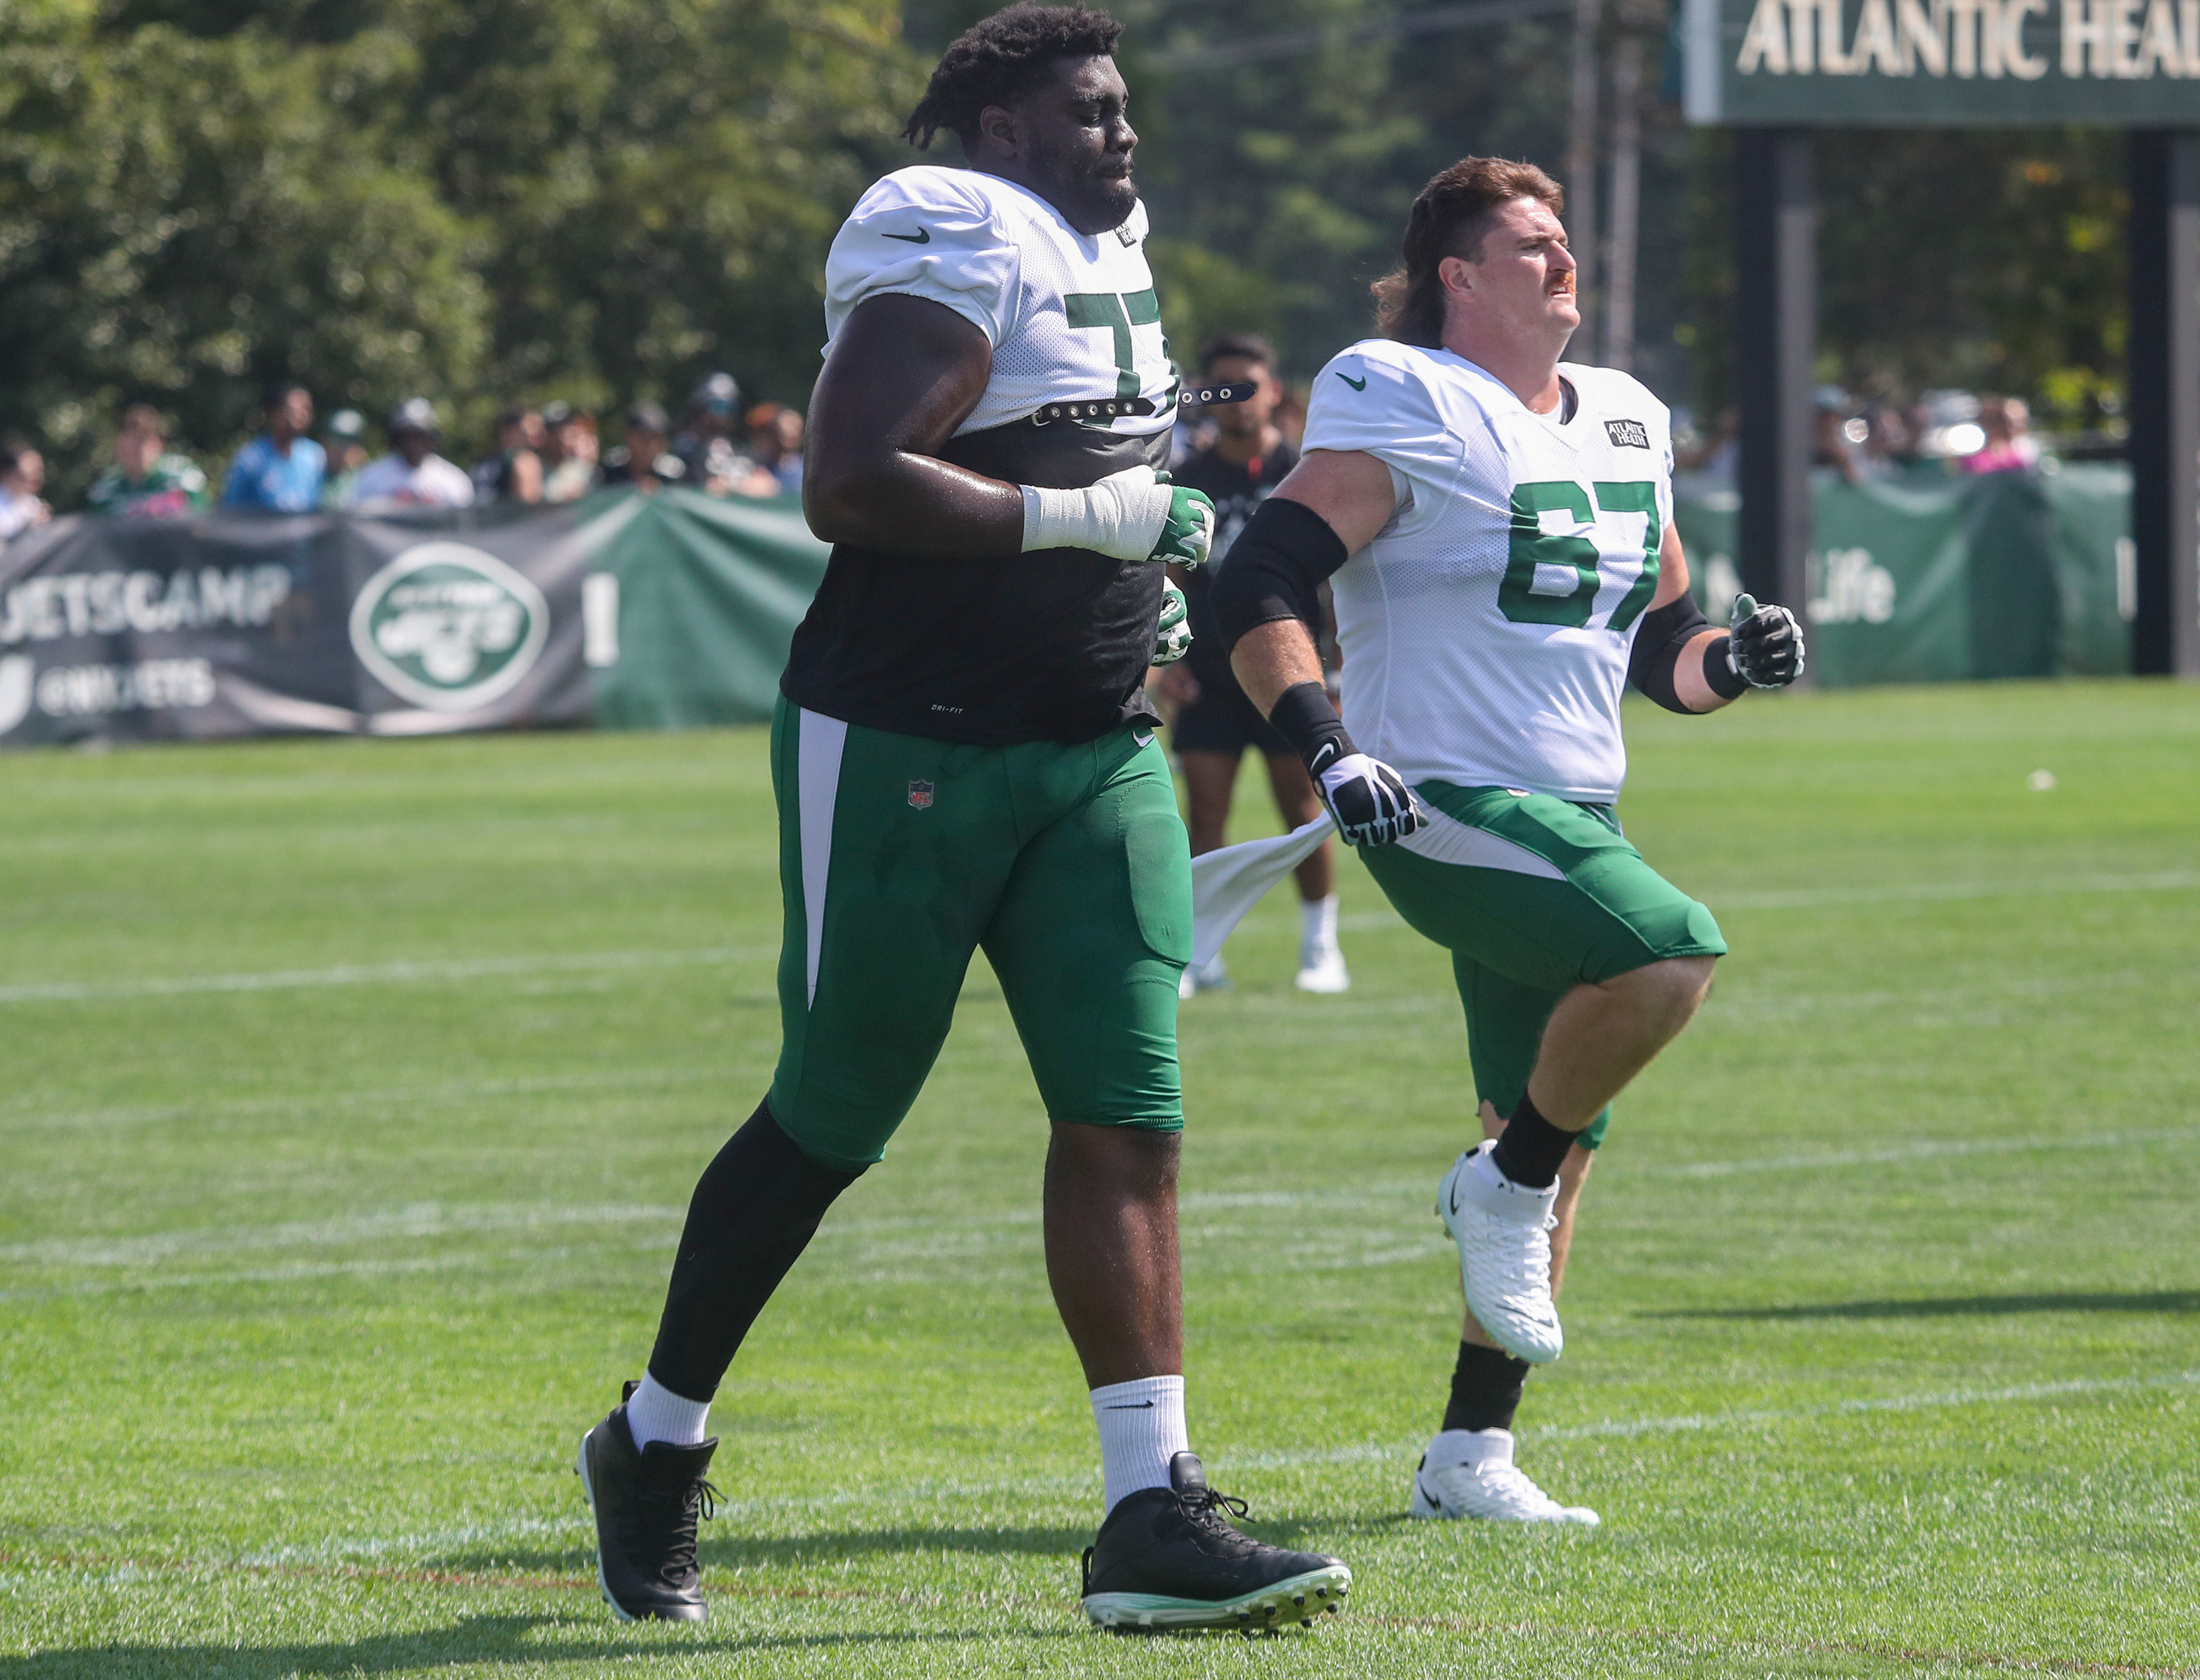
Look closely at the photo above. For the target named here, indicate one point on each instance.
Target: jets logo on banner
(920, 795)
(448, 627)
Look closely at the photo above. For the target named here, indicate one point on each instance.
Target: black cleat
(646, 1504)
(1168, 1558)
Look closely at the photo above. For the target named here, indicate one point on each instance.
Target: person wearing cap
(712, 411)
(706, 446)
(147, 481)
(640, 463)
(346, 447)
(412, 474)
(281, 470)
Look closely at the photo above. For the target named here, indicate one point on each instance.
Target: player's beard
(1091, 202)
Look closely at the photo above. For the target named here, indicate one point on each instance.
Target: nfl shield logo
(920, 795)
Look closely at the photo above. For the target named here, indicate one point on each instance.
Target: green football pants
(900, 855)
(1532, 896)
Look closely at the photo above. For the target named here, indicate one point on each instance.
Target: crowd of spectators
(546, 454)
(1943, 434)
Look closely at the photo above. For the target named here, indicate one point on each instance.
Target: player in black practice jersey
(963, 758)
(1215, 723)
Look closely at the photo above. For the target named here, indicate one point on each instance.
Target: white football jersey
(1486, 629)
(1071, 317)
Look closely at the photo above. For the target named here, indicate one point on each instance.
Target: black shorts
(1222, 720)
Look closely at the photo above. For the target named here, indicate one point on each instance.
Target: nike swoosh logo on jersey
(1142, 1406)
(1356, 384)
(922, 237)
(1141, 740)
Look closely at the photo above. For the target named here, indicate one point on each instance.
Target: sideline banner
(676, 610)
(2001, 574)
(404, 624)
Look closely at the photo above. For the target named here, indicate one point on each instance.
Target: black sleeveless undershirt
(1048, 646)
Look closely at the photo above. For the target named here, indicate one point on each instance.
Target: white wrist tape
(1122, 516)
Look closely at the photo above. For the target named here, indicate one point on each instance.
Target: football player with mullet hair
(963, 758)
(1498, 528)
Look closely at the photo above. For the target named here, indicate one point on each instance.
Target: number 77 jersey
(1486, 629)
(1071, 317)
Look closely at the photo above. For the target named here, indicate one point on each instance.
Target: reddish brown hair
(1450, 216)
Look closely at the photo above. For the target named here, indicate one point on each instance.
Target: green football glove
(1188, 531)
(1173, 641)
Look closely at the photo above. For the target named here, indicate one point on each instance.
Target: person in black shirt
(1215, 723)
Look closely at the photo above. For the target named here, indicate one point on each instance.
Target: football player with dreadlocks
(963, 758)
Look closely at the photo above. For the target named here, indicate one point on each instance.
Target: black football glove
(1764, 644)
(1370, 802)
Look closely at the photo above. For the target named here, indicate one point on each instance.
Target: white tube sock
(1141, 1430)
(1317, 930)
(656, 1413)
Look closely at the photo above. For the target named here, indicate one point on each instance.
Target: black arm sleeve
(1275, 569)
(1660, 642)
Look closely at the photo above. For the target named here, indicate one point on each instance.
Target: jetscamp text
(107, 603)
(2127, 40)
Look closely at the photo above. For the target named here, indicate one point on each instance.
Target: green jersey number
(1537, 588)
(1117, 314)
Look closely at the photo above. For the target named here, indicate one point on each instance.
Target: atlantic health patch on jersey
(1627, 434)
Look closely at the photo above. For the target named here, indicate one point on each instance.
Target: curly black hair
(994, 62)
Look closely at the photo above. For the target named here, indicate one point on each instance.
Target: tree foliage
(476, 200)
(468, 199)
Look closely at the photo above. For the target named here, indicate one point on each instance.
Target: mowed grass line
(1884, 1350)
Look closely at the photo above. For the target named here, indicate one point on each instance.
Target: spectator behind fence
(705, 444)
(2010, 446)
(642, 462)
(147, 481)
(22, 476)
(578, 471)
(412, 474)
(347, 452)
(282, 469)
(1890, 444)
(775, 443)
(514, 472)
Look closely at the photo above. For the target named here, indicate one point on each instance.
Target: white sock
(1317, 930)
(656, 1413)
(1141, 1430)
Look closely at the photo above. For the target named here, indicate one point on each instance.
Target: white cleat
(1214, 977)
(1323, 972)
(1470, 1473)
(1503, 1231)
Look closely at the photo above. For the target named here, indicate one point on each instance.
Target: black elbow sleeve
(1274, 570)
(1657, 648)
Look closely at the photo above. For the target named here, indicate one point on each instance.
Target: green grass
(1884, 1317)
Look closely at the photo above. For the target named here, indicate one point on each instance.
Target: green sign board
(1899, 64)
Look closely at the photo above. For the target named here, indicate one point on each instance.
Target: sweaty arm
(1268, 599)
(1684, 664)
(903, 372)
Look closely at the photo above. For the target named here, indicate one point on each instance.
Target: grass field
(352, 1093)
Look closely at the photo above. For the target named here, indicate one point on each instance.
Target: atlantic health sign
(2133, 63)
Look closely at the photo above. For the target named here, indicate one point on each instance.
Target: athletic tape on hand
(1122, 516)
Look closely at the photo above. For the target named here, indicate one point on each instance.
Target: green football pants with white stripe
(1532, 896)
(899, 857)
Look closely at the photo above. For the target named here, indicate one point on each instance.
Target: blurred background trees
(515, 199)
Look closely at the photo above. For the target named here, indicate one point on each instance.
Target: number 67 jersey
(1487, 628)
